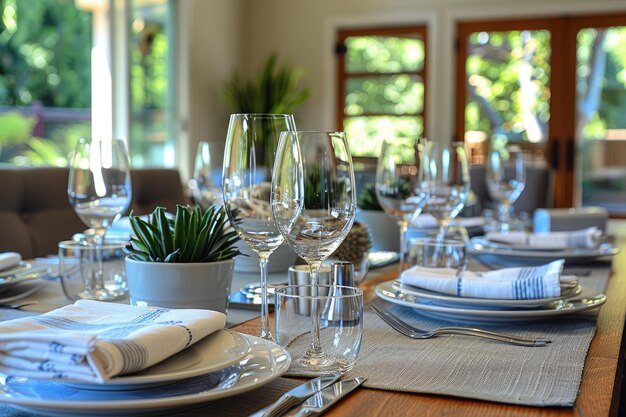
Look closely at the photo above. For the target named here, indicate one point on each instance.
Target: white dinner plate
(217, 351)
(588, 299)
(482, 246)
(265, 362)
(482, 303)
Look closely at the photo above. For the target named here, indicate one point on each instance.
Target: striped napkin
(585, 238)
(504, 284)
(95, 341)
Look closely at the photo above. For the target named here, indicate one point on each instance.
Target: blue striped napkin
(95, 341)
(505, 284)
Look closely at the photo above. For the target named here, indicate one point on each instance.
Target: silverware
(324, 399)
(17, 305)
(415, 333)
(296, 396)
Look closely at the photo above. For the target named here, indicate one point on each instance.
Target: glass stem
(505, 212)
(316, 345)
(403, 225)
(99, 274)
(266, 333)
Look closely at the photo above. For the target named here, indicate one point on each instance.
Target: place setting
(19, 279)
(439, 284)
(111, 358)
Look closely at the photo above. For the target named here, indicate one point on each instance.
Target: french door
(557, 86)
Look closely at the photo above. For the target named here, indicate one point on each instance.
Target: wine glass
(250, 140)
(205, 191)
(506, 178)
(99, 190)
(447, 181)
(399, 183)
(314, 204)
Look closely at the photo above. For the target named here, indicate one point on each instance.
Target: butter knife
(324, 399)
(296, 396)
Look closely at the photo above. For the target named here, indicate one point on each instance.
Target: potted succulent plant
(184, 262)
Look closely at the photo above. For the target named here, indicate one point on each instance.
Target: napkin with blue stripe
(94, 341)
(585, 238)
(523, 283)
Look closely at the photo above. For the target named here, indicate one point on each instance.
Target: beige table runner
(478, 368)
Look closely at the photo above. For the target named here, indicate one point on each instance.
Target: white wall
(210, 46)
(303, 33)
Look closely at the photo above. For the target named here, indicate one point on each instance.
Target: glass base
(101, 294)
(319, 364)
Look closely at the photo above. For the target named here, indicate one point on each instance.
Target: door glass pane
(600, 122)
(395, 94)
(507, 79)
(151, 139)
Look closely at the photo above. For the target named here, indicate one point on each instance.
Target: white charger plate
(482, 303)
(588, 299)
(482, 246)
(265, 362)
(217, 351)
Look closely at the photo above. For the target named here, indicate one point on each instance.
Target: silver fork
(415, 333)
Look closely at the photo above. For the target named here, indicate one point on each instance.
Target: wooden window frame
(342, 75)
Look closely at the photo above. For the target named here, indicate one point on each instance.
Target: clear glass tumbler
(340, 311)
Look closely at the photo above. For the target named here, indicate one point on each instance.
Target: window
(381, 86)
(58, 66)
(45, 48)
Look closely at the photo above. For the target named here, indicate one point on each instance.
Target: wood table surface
(600, 389)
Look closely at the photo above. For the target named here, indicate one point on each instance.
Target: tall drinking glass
(448, 182)
(506, 178)
(99, 190)
(399, 184)
(246, 180)
(314, 204)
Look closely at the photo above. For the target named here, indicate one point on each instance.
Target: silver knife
(324, 399)
(296, 396)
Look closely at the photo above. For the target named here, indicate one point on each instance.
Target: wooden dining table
(602, 392)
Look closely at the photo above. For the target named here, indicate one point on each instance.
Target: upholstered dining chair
(35, 213)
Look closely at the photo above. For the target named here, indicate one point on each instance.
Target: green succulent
(192, 236)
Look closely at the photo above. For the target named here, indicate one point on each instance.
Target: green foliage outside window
(384, 94)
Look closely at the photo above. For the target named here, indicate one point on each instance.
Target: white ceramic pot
(180, 285)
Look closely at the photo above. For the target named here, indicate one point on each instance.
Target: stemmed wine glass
(99, 190)
(448, 182)
(248, 159)
(314, 204)
(506, 178)
(399, 183)
(205, 190)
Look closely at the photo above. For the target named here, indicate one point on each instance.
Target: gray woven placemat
(477, 368)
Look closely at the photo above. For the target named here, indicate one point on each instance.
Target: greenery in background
(192, 236)
(45, 55)
(401, 96)
(367, 199)
(276, 89)
(149, 83)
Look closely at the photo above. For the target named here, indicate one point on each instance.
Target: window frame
(342, 75)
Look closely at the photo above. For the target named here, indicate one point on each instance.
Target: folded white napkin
(95, 341)
(585, 238)
(506, 284)
(9, 260)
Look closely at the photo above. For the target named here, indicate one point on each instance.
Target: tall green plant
(275, 89)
